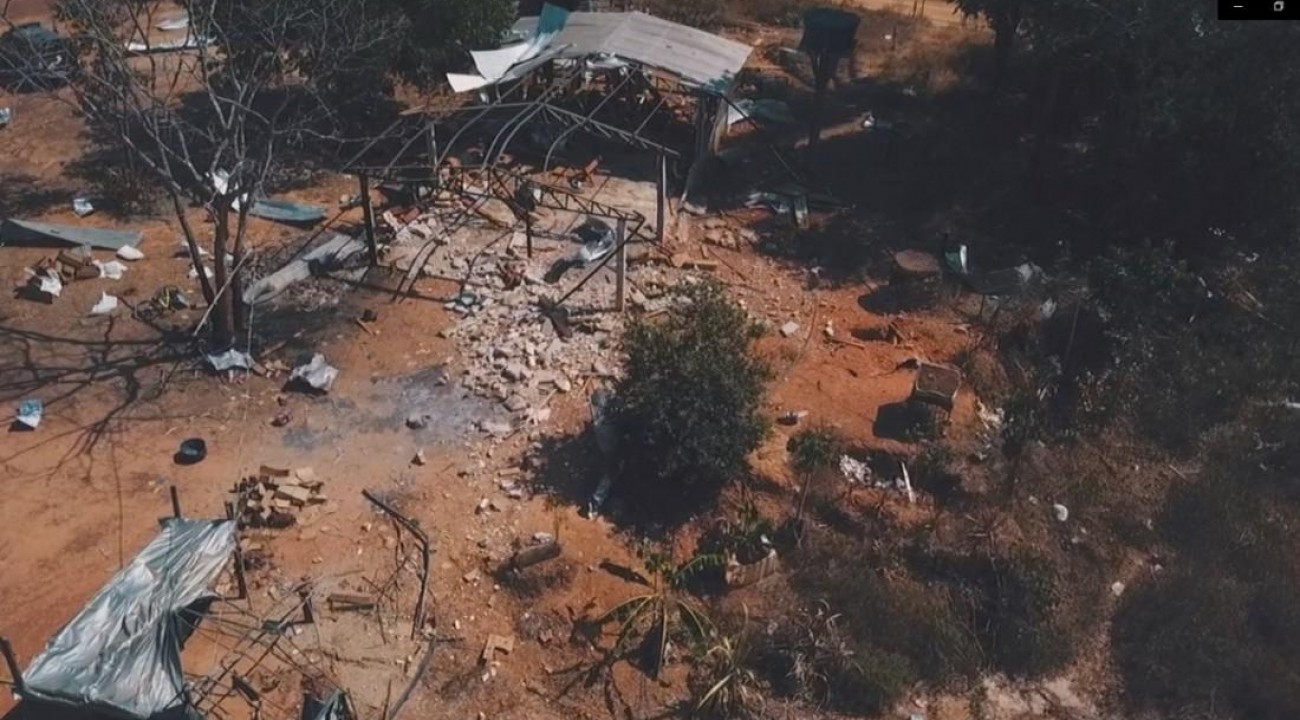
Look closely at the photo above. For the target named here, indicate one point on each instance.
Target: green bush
(1218, 633)
(689, 401)
(816, 448)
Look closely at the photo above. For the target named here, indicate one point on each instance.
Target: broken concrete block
(789, 329)
(295, 494)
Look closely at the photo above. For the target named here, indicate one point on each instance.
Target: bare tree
(212, 121)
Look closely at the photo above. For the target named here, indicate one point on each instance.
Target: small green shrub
(689, 402)
(816, 448)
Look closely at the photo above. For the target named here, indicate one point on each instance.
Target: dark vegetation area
(1122, 147)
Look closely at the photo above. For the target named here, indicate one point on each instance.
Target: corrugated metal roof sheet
(697, 56)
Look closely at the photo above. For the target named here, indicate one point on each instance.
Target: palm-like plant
(662, 613)
(724, 683)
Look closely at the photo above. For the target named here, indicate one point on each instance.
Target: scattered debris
(1060, 512)
(30, 413)
(536, 554)
(82, 207)
(351, 601)
(6, 115)
(793, 417)
(1117, 588)
(129, 252)
(191, 451)
(45, 283)
(906, 482)
(789, 329)
(496, 643)
(112, 270)
(287, 211)
(276, 497)
(419, 458)
(854, 470)
(28, 233)
(417, 420)
(738, 575)
(106, 305)
(230, 360)
(768, 109)
(315, 374)
(937, 385)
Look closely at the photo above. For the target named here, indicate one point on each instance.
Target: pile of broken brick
(274, 497)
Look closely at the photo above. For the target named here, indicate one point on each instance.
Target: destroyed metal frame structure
(423, 147)
(201, 697)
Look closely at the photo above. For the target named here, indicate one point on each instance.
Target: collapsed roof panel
(699, 57)
(121, 655)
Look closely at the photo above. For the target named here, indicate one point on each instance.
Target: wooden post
(661, 199)
(621, 265)
(308, 610)
(368, 211)
(12, 662)
(240, 580)
(176, 503)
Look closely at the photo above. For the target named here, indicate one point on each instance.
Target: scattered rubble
(275, 496)
(789, 329)
(315, 374)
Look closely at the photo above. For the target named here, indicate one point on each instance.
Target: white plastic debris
(230, 360)
(789, 329)
(30, 413)
(317, 374)
(1117, 588)
(194, 273)
(82, 207)
(113, 270)
(130, 252)
(1060, 512)
(107, 304)
(185, 250)
(991, 417)
(6, 114)
(906, 482)
(855, 471)
(48, 282)
(1047, 310)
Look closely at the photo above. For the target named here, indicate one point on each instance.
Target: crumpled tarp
(121, 654)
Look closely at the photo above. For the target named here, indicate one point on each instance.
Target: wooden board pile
(274, 497)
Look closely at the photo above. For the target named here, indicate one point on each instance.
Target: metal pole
(423, 539)
(12, 662)
(176, 503)
(621, 267)
(368, 211)
(661, 199)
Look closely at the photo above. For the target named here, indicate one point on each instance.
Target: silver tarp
(121, 654)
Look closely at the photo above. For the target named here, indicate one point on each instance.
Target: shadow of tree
(58, 370)
(24, 195)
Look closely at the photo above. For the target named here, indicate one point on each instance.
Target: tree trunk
(192, 245)
(1005, 27)
(237, 280)
(223, 311)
